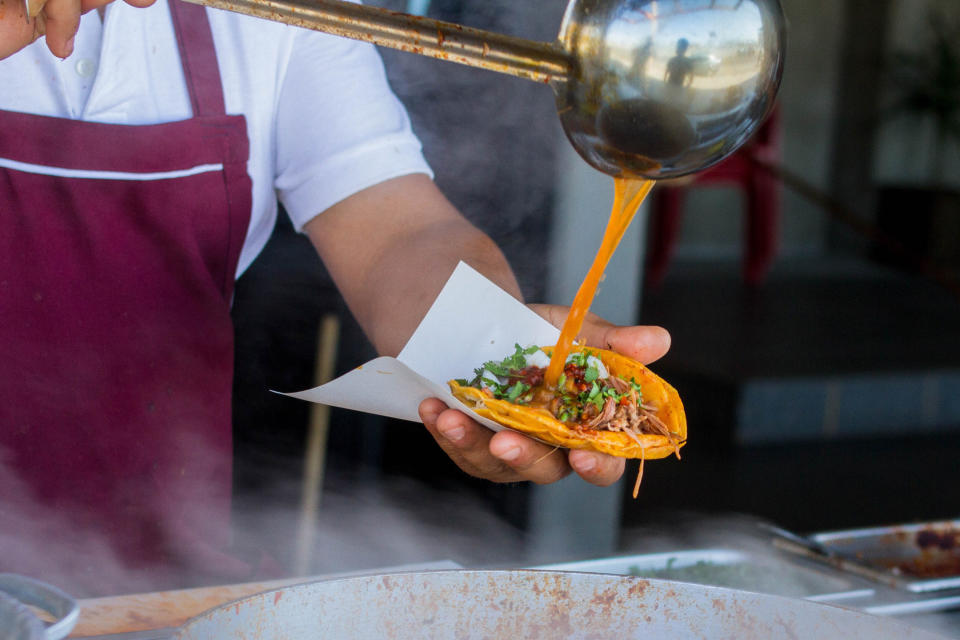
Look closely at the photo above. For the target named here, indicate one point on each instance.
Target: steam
(388, 524)
(673, 530)
(50, 544)
(392, 523)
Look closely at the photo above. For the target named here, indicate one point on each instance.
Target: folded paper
(471, 321)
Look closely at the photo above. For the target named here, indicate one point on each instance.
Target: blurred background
(810, 286)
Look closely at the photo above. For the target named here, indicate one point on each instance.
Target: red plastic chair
(761, 195)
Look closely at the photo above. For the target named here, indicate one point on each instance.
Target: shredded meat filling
(629, 415)
(606, 415)
(625, 412)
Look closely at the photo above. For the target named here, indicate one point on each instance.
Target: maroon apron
(115, 336)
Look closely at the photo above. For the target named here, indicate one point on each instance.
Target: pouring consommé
(646, 88)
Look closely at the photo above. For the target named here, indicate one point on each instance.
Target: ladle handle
(538, 61)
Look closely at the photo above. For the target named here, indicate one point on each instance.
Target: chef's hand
(508, 456)
(58, 20)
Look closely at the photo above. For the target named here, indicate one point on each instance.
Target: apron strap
(198, 58)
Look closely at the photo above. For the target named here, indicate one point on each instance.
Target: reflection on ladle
(646, 128)
(592, 69)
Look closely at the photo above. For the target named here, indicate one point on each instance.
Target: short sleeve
(340, 128)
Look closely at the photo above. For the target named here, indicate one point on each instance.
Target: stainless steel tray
(919, 557)
(728, 568)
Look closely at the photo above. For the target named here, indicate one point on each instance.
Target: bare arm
(390, 249)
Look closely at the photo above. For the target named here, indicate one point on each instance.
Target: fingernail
(70, 46)
(454, 435)
(510, 454)
(585, 464)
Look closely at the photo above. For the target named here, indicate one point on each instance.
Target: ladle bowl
(664, 88)
(644, 88)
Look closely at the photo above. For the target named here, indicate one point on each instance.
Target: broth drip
(628, 195)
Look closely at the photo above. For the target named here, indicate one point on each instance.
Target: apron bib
(118, 251)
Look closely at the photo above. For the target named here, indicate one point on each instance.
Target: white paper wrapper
(471, 321)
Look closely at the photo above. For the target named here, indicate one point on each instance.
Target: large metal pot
(18, 622)
(528, 604)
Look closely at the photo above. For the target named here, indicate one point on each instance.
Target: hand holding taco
(602, 402)
(511, 456)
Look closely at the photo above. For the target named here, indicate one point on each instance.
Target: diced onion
(487, 377)
(538, 359)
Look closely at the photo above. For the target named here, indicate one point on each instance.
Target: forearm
(405, 281)
(391, 248)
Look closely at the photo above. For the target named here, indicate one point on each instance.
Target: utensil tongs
(810, 548)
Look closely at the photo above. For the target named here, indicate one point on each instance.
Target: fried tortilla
(603, 402)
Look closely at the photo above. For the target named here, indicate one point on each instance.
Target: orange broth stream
(629, 193)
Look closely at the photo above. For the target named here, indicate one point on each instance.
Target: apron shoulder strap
(198, 58)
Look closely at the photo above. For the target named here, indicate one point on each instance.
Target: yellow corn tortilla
(540, 423)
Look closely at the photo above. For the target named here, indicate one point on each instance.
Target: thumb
(642, 343)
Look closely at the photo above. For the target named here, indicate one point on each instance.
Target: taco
(603, 402)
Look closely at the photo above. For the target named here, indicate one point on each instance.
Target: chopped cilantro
(497, 368)
(591, 374)
(508, 365)
(516, 391)
(572, 403)
(461, 381)
(579, 358)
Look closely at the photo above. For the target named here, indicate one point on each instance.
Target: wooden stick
(316, 449)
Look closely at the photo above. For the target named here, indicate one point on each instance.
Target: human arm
(390, 249)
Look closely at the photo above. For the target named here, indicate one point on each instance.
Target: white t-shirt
(322, 121)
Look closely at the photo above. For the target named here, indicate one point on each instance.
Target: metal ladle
(644, 88)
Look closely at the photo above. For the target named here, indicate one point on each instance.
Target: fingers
(642, 343)
(529, 459)
(90, 5)
(597, 468)
(16, 31)
(62, 19)
(464, 441)
(58, 20)
(508, 456)
(502, 457)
